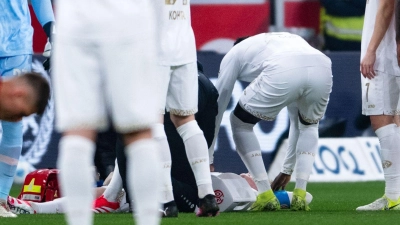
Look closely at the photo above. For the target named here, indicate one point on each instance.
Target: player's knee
(378, 121)
(181, 120)
(304, 122)
(189, 130)
(244, 116)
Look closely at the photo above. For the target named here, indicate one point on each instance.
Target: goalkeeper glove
(47, 54)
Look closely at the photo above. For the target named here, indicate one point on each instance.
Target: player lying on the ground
(233, 193)
(41, 187)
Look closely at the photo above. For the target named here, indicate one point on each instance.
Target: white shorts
(309, 87)
(179, 89)
(381, 95)
(99, 79)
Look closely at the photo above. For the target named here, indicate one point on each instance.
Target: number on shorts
(367, 84)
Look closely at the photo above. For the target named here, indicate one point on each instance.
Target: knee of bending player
(305, 121)
(238, 125)
(308, 126)
(244, 116)
(181, 120)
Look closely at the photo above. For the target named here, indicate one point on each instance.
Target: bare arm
(382, 21)
(228, 74)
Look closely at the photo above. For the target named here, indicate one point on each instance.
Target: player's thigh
(131, 87)
(15, 65)
(269, 93)
(78, 86)
(315, 97)
(183, 90)
(381, 95)
(163, 80)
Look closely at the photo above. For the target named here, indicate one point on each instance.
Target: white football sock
(115, 186)
(301, 184)
(249, 150)
(166, 163)
(52, 207)
(307, 146)
(197, 153)
(143, 180)
(290, 158)
(389, 139)
(75, 161)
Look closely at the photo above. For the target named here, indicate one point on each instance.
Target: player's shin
(249, 150)
(389, 139)
(166, 162)
(143, 180)
(75, 160)
(197, 153)
(10, 151)
(307, 146)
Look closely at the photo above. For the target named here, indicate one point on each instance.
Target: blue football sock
(10, 151)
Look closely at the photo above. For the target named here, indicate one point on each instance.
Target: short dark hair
(240, 40)
(41, 89)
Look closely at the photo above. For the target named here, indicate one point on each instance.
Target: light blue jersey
(16, 57)
(15, 25)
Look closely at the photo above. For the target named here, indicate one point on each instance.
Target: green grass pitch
(333, 203)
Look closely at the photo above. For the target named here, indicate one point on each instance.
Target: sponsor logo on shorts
(219, 196)
(386, 164)
(371, 106)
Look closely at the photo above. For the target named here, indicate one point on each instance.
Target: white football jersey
(177, 38)
(386, 53)
(105, 18)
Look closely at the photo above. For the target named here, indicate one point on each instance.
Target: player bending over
(285, 71)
